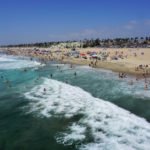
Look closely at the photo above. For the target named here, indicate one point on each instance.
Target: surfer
(44, 89)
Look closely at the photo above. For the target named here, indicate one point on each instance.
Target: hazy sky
(27, 21)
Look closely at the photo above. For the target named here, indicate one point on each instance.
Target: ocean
(54, 107)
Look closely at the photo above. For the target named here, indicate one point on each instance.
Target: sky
(29, 21)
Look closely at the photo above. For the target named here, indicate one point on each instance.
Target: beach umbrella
(94, 56)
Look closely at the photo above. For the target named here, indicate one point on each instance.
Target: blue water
(73, 112)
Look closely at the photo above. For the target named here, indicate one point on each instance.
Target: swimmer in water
(44, 89)
(75, 74)
(131, 82)
(51, 75)
(146, 87)
(25, 70)
(8, 83)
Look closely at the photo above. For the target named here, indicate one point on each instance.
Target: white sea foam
(59, 65)
(4, 58)
(109, 126)
(8, 62)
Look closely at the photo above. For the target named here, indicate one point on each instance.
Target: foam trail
(109, 126)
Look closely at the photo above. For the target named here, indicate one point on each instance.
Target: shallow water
(74, 112)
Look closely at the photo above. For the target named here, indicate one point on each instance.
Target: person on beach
(136, 68)
(136, 78)
(144, 75)
(122, 75)
(92, 63)
(95, 62)
(145, 80)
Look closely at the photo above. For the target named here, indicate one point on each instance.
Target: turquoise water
(74, 112)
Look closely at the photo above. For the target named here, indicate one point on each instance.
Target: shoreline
(124, 71)
(115, 66)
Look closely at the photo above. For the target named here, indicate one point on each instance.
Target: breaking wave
(107, 125)
(10, 62)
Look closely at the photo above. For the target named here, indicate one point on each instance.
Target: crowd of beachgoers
(124, 61)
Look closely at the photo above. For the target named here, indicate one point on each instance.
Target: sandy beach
(127, 60)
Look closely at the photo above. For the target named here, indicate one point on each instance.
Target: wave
(109, 126)
(10, 62)
(4, 58)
